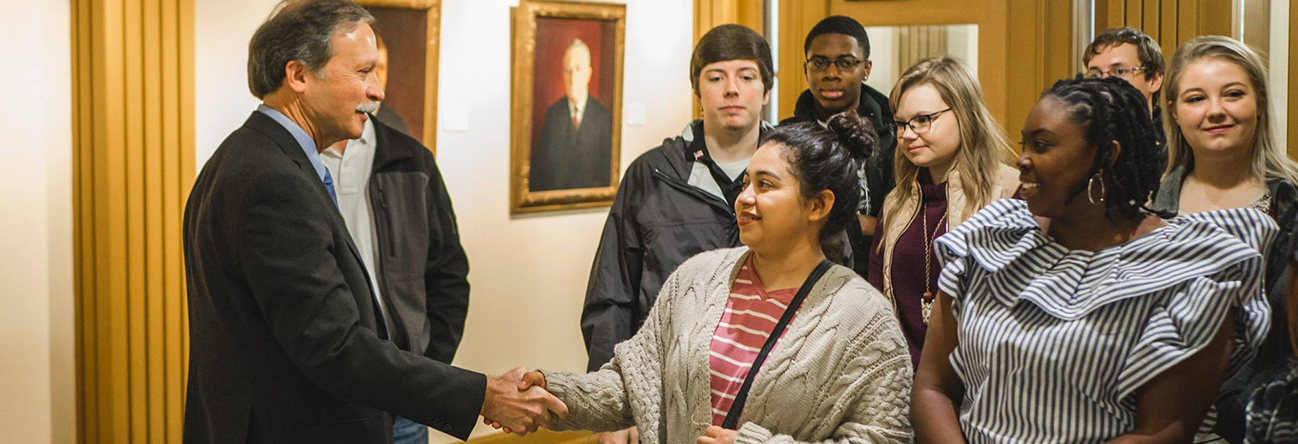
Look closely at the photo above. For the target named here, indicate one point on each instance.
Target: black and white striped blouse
(1054, 343)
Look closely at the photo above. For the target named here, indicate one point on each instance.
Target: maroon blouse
(908, 264)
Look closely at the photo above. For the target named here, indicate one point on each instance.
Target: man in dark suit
(288, 342)
(575, 149)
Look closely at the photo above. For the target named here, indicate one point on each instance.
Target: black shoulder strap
(740, 398)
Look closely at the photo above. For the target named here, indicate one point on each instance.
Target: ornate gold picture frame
(409, 31)
(566, 110)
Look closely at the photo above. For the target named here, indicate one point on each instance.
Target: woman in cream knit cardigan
(839, 373)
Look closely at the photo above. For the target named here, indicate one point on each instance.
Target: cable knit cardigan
(840, 373)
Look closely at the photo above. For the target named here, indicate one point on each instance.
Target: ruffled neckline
(1022, 262)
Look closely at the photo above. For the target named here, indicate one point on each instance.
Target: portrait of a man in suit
(574, 149)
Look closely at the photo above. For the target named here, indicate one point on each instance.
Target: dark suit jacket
(284, 341)
(422, 268)
(566, 159)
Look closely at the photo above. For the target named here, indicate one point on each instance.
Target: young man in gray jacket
(399, 215)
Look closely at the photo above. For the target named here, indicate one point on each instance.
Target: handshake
(518, 402)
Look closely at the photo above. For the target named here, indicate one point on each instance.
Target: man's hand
(717, 435)
(519, 411)
(532, 379)
(624, 436)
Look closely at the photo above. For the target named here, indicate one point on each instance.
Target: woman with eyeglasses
(951, 161)
(1223, 154)
(1079, 315)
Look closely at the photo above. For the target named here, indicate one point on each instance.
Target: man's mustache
(368, 107)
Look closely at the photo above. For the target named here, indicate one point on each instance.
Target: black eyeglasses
(819, 63)
(919, 124)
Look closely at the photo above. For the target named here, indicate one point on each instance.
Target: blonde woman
(1222, 154)
(951, 161)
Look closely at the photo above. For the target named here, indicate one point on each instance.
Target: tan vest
(1006, 183)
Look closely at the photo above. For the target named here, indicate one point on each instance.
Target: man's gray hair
(577, 44)
(298, 30)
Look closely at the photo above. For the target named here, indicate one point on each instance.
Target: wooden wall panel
(1171, 22)
(710, 13)
(133, 165)
(1215, 18)
(1292, 130)
(797, 17)
(917, 42)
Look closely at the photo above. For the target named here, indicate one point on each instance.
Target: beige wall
(528, 273)
(37, 402)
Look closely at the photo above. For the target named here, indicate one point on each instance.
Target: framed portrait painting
(408, 32)
(567, 105)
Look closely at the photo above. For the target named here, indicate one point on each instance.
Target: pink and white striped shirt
(750, 315)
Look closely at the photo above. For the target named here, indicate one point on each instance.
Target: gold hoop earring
(1089, 194)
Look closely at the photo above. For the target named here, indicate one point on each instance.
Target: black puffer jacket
(1275, 357)
(658, 220)
(878, 172)
(422, 270)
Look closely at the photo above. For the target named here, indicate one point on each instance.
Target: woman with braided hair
(1078, 314)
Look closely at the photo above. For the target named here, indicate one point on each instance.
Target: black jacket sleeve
(606, 317)
(287, 251)
(445, 275)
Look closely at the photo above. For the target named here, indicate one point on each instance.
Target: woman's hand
(936, 394)
(717, 435)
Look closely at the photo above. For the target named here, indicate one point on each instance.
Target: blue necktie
(329, 185)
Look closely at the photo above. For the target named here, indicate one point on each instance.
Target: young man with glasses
(837, 64)
(1131, 55)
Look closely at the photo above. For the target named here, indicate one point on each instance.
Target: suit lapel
(585, 115)
(283, 139)
(262, 123)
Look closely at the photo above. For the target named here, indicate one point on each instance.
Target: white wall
(222, 101)
(37, 396)
(528, 272)
(883, 58)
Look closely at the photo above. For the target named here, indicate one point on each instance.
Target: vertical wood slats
(1292, 127)
(133, 164)
(917, 42)
(1149, 16)
(709, 14)
(1171, 22)
(797, 17)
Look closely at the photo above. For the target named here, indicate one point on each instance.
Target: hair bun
(854, 134)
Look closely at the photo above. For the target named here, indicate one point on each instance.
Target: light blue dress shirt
(308, 144)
